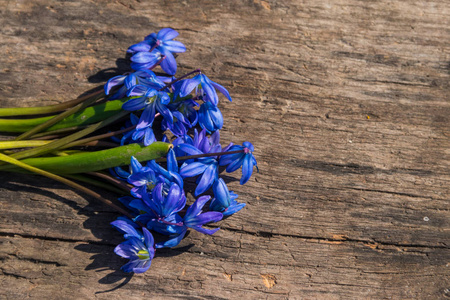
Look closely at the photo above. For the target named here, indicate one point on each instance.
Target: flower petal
(205, 231)
(149, 137)
(188, 86)
(229, 158)
(117, 80)
(247, 168)
(221, 89)
(166, 34)
(134, 104)
(192, 169)
(139, 47)
(221, 193)
(189, 149)
(207, 179)
(169, 64)
(174, 46)
(233, 166)
(147, 117)
(207, 217)
(173, 241)
(146, 57)
(148, 239)
(196, 207)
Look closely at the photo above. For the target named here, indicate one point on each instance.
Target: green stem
(93, 141)
(25, 111)
(57, 144)
(57, 118)
(21, 144)
(70, 183)
(48, 135)
(97, 137)
(95, 161)
(89, 115)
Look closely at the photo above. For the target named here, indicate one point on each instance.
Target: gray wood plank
(346, 103)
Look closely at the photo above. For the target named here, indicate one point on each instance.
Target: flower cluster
(158, 199)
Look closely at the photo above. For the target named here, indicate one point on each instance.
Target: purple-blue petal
(139, 47)
(233, 166)
(221, 193)
(126, 228)
(148, 239)
(172, 242)
(221, 89)
(210, 92)
(205, 231)
(125, 250)
(234, 208)
(196, 207)
(134, 104)
(166, 34)
(137, 90)
(207, 217)
(228, 158)
(146, 57)
(207, 179)
(172, 164)
(193, 169)
(188, 86)
(247, 169)
(189, 149)
(147, 117)
(149, 137)
(169, 64)
(164, 111)
(135, 165)
(117, 80)
(174, 46)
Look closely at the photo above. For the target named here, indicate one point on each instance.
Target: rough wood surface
(346, 103)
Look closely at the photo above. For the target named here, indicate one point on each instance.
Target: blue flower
(171, 174)
(161, 44)
(128, 227)
(236, 160)
(201, 144)
(165, 203)
(164, 40)
(142, 178)
(185, 116)
(148, 60)
(151, 101)
(179, 126)
(194, 218)
(224, 200)
(146, 134)
(210, 117)
(205, 89)
(187, 108)
(208, 166)
(140, 252)
(126, 82)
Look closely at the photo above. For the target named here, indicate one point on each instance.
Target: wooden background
(346, 103)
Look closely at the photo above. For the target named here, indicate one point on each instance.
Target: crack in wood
(265, 234)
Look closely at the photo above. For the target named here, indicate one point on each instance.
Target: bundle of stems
(57, 146)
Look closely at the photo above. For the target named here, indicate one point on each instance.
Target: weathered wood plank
(346, 103)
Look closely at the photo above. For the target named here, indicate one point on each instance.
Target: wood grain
(346, 103)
